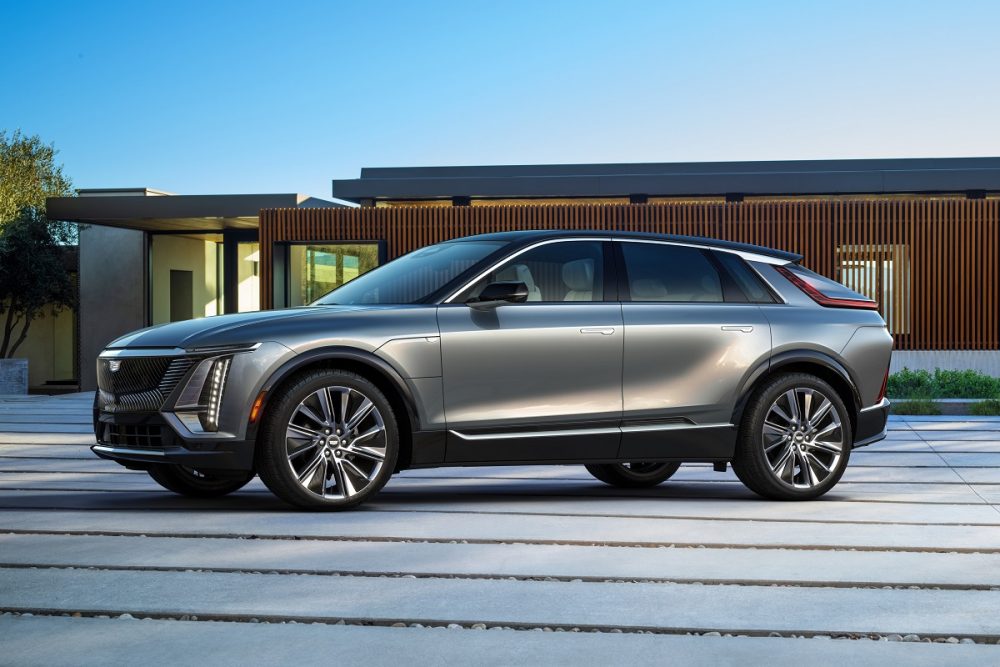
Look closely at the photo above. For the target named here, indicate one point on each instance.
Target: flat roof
(154, 210)
(786, 177)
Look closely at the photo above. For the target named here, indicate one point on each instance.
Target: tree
(32, 247)
(28, 174)
(32, 275)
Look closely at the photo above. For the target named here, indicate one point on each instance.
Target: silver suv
(628, 353)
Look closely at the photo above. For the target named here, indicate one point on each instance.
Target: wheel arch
(812, 362)
(373, 368)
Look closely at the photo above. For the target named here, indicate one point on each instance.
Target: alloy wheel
(335, 442)
(803, 437)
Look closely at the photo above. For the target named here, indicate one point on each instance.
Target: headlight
(200, 399)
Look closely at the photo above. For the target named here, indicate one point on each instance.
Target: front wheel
(329, 441)
(197, 483)
(635, 475)
(795, 439)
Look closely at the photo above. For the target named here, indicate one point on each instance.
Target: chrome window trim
(751, 256)
(520, 252)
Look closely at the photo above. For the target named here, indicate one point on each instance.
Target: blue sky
(202, 97)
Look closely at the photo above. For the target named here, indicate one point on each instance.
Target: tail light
(824, 291)
(885, 383)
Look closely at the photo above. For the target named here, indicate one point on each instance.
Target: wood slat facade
(933, 264)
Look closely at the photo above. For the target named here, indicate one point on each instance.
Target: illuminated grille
(140, 384)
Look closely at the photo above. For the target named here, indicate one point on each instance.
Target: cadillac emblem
(114, 365)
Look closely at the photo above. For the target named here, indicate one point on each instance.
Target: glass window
(248, 277)
(659, 272)
(412, 277)
(881, 273)
(562, 271)
(185, 271)
(746, 278)
(315, 270)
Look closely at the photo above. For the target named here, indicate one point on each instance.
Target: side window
(680, 274)
(746, 278)
(553, 272)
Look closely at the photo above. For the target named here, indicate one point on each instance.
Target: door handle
(742, 328)
(604, 331)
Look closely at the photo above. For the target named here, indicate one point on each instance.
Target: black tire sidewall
(175, 478)
(750, 462)
(616, 474)
(272, 460)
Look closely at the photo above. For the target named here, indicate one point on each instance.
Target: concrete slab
(454, 497)
(47, 438)
(800, 566)
(99, 642)
(662, 606)
(47, 428)
(264, 517)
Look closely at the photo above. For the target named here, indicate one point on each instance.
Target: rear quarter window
(746, 278)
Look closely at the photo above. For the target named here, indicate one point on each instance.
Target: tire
(779, 453)
(195, 483)
(634, 475)
(314, 454)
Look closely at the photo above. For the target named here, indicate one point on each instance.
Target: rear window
(746, 278)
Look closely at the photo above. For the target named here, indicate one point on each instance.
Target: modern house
(921, 236)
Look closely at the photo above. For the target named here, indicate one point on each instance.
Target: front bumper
(138, 439)
(872, 424)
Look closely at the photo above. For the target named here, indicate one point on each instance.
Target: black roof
(787, 177)
(532, 235)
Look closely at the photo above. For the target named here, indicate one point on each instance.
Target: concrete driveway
(536, 565)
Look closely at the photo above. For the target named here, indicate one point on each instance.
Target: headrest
(579, 274)
(648, 289)
(517, 272)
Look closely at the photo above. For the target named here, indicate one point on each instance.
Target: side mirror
(502, 292)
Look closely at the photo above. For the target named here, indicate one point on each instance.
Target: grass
(989, 407)
(915, 406)
(920, 384)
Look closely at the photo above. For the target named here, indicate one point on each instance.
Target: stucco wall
(112, 291)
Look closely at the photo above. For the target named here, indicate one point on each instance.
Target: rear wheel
(329, 442)
(795, 439)
(634, 475)
(196, 483)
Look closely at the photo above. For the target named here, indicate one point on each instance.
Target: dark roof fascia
(110, 210)
(677, 179)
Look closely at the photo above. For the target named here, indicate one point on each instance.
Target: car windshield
(412, 277)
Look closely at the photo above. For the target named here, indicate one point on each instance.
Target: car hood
(244, 328)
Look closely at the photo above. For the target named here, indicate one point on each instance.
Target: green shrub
(908, 384)
(915, 406)
(989, 407)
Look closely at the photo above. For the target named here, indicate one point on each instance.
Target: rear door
(692, 336)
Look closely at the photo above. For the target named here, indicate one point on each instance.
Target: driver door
(539, 380)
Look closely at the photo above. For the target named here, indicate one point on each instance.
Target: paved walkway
(499, 565)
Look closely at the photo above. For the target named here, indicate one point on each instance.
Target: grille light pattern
(141, 384)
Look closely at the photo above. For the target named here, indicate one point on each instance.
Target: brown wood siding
(944, 252)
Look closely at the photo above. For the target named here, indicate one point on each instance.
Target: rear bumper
(872, 424)
(138, 439)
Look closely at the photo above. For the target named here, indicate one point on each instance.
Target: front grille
(132, 374)
(132, 436)
(139, 384)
